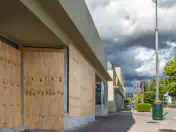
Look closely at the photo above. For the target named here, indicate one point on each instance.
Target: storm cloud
(127, 30)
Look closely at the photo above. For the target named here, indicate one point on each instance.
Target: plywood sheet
(44, 89)
(81, 84)
(10, 88)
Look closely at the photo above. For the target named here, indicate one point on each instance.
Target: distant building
(136, 90)
(116, 90)
(136, 87)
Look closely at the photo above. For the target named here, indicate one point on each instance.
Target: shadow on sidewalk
(117, 122)
(167, 130)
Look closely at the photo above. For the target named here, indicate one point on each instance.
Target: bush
(142, 107)
(172, 106)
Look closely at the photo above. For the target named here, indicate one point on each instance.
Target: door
(44, 88)
(10, 86)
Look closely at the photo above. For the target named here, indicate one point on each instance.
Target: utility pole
(157, 66)
(157, 108)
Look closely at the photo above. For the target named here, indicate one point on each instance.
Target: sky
(127, 30)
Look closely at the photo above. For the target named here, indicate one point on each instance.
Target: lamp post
(157, 109)
(156, 40)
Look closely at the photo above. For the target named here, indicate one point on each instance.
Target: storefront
(101, 98)
(48, 66)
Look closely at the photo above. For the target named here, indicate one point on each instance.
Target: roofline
(67, 26)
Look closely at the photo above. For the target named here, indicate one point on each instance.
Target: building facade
(136, 90)
(121, 91)
(116, 90)
(50, 58)
(101, 98)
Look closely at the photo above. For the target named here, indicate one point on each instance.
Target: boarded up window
(44, 89)
(10, 80)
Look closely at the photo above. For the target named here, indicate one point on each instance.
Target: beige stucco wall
(120, 76)
(111, 102)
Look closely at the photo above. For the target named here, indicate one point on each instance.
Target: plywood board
(10, 88)
(81, 84)
(44, 89)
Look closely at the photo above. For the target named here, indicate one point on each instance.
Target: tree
(133, 99)
(149, 97)
(146, 83)
(128, 100)
(169, 82)
(139, 98)
(112, 63)
(150, 90)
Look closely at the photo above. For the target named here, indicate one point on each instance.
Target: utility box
(157, 111)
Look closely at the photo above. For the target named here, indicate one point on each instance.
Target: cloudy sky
(127, 30)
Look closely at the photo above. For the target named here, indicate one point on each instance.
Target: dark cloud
(144, 40)
(166, 3)
(125, 58)
(124, 28)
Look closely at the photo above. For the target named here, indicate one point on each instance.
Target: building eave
(55, 9)
(44, 23)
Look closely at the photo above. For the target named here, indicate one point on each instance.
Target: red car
(164, 105)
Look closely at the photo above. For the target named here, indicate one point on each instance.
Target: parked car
(164, 104)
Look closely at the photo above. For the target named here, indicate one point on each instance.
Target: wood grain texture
(44, 89)
(10, 89)
(81, 84)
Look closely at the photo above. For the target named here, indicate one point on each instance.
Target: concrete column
(106, 96)
(102, 94)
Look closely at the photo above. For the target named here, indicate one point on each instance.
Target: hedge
(142, 107)
(172, 106)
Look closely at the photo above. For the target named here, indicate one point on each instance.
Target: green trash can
(157, 111)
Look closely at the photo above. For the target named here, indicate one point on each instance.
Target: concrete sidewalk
(130, 122)
(126, 121)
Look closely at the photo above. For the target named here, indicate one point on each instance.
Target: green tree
(149, 97)
(113, 64)
(146, 84)
(150, 90)
(128, 100)
(169, 82)
(139, 98)
(132, 98)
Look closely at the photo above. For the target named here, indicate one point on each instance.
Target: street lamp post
(157, 66)
(157, 109)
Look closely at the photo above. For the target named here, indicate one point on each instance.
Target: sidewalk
(127, 121)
